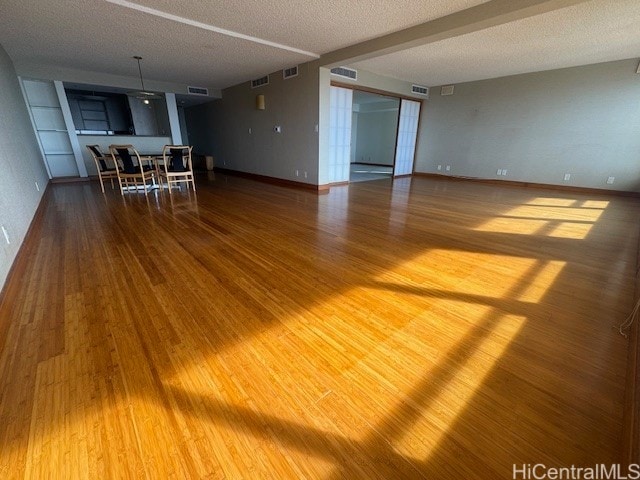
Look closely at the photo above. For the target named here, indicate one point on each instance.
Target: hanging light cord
(624, 327)
(140, 71)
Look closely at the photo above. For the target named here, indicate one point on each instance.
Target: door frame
(400, 97)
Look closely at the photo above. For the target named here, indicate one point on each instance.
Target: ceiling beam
(480, 17)
(205, 26)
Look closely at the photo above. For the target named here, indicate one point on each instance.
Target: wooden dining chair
(177, 165)
(102, 161)
(131, 170)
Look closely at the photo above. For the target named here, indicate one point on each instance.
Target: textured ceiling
(316, 26)
(592, 32)
(101, 36)
(189, 48)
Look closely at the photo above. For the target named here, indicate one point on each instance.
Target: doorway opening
(374, 128)
(361, 149)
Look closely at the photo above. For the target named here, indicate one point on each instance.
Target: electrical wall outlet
(610, 180)
(37, 186)
(277, 129)
(567, 177)
(439, 167)
(504, 172)
(448, 168)
(499, 172)
(297, 173)
(305, 174)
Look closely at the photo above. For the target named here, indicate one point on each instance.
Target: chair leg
(101, 182)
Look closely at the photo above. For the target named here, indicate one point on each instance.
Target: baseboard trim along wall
(274, 180)
(514, 183)
(19, 262)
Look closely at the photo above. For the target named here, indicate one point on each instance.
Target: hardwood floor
(410, 329)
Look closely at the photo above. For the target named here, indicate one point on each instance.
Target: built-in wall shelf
(49, 124)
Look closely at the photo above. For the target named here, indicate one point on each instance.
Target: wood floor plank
(414, 328)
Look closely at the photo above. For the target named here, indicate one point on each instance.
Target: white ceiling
(102, 36)
(592, 32)
(182, 43)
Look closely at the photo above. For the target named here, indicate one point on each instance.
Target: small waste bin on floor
(209, 161)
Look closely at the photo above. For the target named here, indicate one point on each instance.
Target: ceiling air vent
(259, 82)
(198, 91)
(420, 90)
(345, 73)
(446, 90)
(290, 72)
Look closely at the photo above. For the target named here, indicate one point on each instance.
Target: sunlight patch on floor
(443, 409)
(522, 226)
(424, 366)
(575, 231)
(552, 213)
(471, 273)
(568, 202)
(552, 202)
(552, 217)
(539, 285)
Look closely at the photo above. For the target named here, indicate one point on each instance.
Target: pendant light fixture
(143, 94)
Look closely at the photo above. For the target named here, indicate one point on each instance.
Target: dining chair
(102, 165)
(131, 170)
(177, 165)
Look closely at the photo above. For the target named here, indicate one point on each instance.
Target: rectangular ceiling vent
(420, 90)
(446, 90)
(198, 91)
(290, 72)
(344, 72)
(259, 82)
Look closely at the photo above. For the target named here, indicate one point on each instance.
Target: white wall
(221, 128)
(21, 165)
(584, 121)
(376, 136)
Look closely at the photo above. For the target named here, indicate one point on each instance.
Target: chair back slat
(127, 161)
(98, 157)
(130, 169)
(177, 165)
(177, 160)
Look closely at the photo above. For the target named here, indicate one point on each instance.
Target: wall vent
(344, 72)
(290, 72)
(446, 90)
(259, 82)
(198, 91)
(420, 90)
